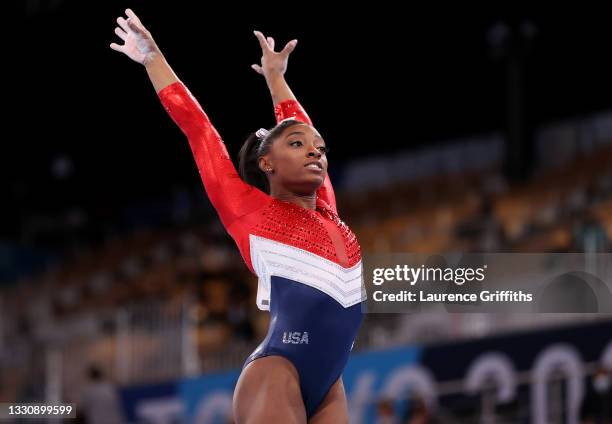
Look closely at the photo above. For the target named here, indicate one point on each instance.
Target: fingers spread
(262, 41)
(289, 47)
(130, 14)
(116, 47)
(121, 33)
(271, 42)
(123, 24)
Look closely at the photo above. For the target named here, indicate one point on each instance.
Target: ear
(265, 165)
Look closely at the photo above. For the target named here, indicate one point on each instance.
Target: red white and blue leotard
(308, 262)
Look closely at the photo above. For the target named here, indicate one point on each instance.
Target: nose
(314, 152)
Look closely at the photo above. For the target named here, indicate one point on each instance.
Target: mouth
(315, 166)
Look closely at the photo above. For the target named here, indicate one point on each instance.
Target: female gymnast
(280, 209)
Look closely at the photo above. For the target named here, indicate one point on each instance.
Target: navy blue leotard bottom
(314, 332)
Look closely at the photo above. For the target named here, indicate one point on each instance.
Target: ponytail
(248, 164)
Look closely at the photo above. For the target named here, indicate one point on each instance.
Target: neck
(306, 201)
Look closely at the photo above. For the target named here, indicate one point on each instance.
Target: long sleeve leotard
(308, 262)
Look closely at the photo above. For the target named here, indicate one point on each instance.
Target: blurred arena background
(450, 132)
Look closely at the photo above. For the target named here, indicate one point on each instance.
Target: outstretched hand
(138, 42)
(272, 63)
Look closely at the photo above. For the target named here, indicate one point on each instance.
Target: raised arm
(273, 67)
(230, 196)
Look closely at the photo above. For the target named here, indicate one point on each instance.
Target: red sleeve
(229, 194)
(293, 109)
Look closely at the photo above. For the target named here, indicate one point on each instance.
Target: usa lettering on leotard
(295, 337)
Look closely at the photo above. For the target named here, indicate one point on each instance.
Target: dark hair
(253, 148)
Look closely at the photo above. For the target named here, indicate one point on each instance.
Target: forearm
(285, 103)
(160, 73)
(279, 89)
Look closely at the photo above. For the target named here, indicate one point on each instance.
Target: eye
(296, 143)
(323, 149)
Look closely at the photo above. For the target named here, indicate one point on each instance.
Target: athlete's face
(297, 158)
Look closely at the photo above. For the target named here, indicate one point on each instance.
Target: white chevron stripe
(273, 258)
